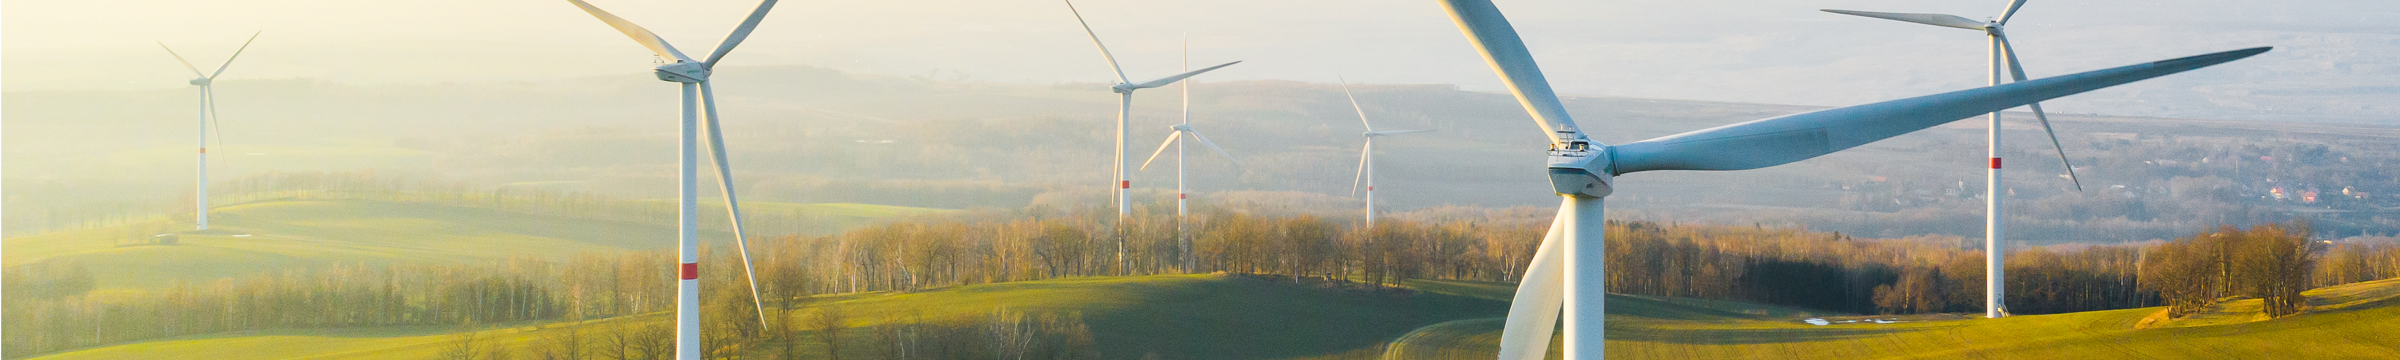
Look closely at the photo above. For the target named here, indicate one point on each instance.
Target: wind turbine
(2003, 56)
(208, 110)
(1568, 270)
(1183, 241)
(1366, 154)
(694, 78)
(1124, 89)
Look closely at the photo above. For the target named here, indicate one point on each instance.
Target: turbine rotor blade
(1087, 30)
(1179, 77)
(1541, 294)
(1162, 148)
(1212, 145)
(213, 123)
(237, 53)
(1785, 139)
(2017, 71)
(740, 32)
(2010, 12)
(1363, 153)
(1927, 19)
(644, 36)
(179, 58)
(1492, 36)
(733, 207)
(1362, 112)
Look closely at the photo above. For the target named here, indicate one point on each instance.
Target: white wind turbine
(1124, 89)
(208, 110)
(1366, 154)
(1183, 241)
(2003, 58)
(1567, 269)
(694, 78)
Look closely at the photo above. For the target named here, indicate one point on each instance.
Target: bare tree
(829, 321)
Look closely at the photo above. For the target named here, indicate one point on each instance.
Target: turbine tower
(693, 76)
(2003, 57)
(1124, 89)
(1366, 154)
(208, 111)
(1183, 241)
(1567, 269)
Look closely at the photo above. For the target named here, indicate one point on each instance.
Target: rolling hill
(1237, 317)
(264, 236)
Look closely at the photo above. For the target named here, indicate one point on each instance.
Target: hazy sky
(1756, 51)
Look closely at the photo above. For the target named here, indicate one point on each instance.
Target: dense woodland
(51, 306)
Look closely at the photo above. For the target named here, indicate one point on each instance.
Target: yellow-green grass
(1176, 316)
(2349, 321)
(289, 234)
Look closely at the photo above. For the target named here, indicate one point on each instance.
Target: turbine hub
(1121, 88)
(683, 72)
(1181, 127)
(200, 82)
(1579, 169)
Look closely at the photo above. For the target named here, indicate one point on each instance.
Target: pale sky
(1752, 51)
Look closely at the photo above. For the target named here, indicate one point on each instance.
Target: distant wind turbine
(1124, 89)
(694, 76)
(1183, 241)
(1366, 154)
(208, 111)
(2003, 58)
(1568, 268)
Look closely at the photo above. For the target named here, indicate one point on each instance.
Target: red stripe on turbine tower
(1125, 184)
(204, 150)
(1179, 196)
(1370, 187)
(1995, 163)
(691, 271)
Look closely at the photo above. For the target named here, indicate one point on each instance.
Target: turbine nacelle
(1123, 88)
(683, 72)
(1578, 168)
(200, 82)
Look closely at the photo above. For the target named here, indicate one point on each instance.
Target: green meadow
(264, 236)
(1244, 317)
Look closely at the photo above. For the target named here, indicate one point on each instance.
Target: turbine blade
(1394, 132)
(213, 122)
(237, 53)
(1492, 36)
(1179, 77)
(2062, 150)
(2010, 12)
(2017, 71)
(1162, 149)
(740, 32)
(1541, 294)
(1186, 87)
(179, 58)
(1212, 145)
(1104, 55)
(1363, 153)
(1785, 139)
(1362, 112)
(1927, 19)
(656, 44)
(733, 207)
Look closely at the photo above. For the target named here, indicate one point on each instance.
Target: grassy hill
(264, 236)
(2348, 321)
(1176, 316)
(1228, 317)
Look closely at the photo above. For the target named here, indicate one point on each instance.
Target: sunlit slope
(289, 234)
(1175, 316)
(2350, 321)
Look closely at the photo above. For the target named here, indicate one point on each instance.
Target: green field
(1178, 316)
(263, 236)
(1228, 317)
